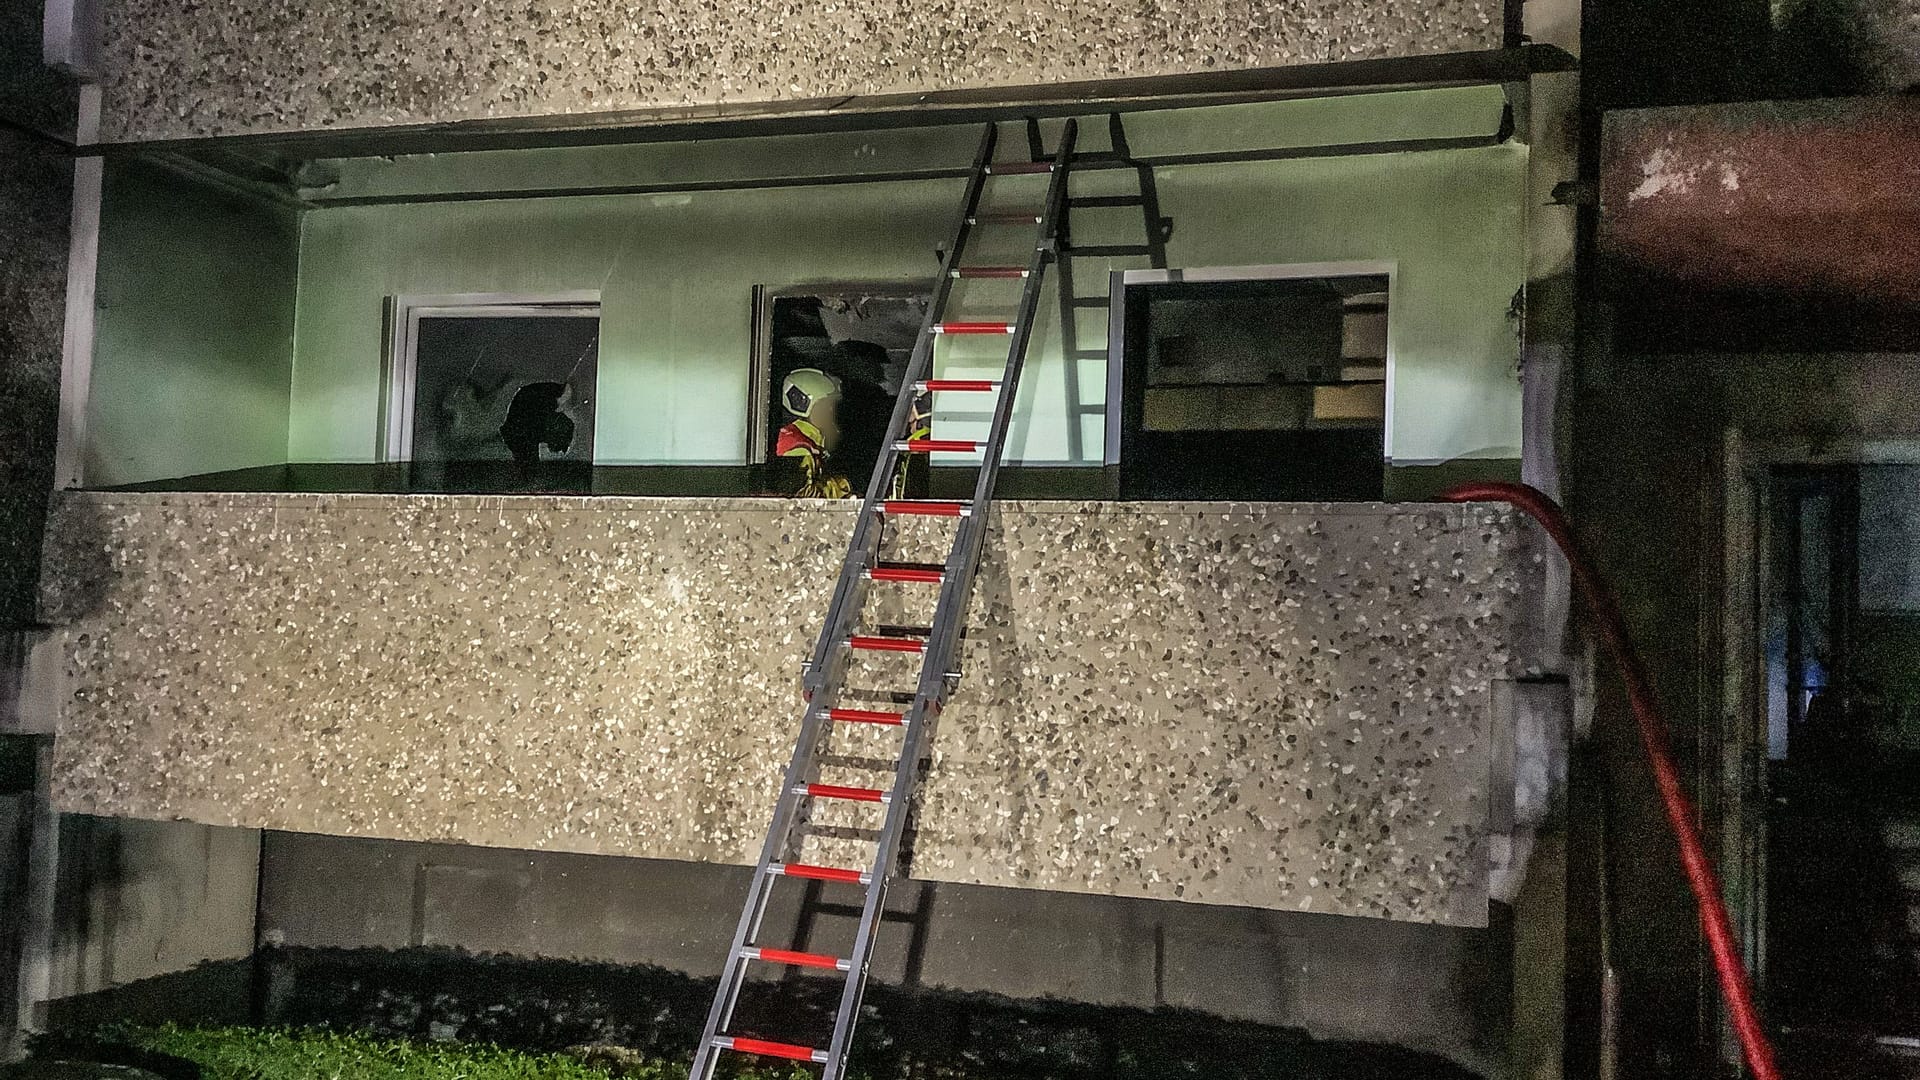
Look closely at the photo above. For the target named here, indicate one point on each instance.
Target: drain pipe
(1736, 988)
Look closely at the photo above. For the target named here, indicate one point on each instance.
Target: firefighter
(812, 398)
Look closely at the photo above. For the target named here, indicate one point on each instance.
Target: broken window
(497, 397)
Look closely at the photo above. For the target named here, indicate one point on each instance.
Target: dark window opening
(835, 359)
(1271, 389)
(1842, 645)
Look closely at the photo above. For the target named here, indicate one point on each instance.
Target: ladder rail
(824, 674)
(1069, 346)
(950, 615)
(841, 608)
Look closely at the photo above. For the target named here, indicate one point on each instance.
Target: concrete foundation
(164, 906)
(1436, 989)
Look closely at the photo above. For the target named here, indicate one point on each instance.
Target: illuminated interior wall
(193, 347)
(213, 354)
(677, 274)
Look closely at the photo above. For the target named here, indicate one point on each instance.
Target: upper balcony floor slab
(236, 67)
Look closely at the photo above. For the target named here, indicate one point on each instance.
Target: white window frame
(1117, 326)
(403, 339)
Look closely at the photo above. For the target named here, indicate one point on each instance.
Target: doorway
(1840, 646)
(858, 338)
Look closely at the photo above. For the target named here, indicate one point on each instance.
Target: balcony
(307, 582)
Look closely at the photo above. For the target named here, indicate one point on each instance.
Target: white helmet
(807, 388)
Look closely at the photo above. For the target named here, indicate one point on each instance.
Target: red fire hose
(1735, 986)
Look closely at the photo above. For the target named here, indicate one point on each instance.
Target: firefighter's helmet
(805, 389)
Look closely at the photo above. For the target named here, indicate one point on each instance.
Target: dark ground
(440, 994)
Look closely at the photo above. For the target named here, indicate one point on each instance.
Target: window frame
(401, 371)
(1120, 280)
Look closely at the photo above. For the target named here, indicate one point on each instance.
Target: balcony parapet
(1277, 705)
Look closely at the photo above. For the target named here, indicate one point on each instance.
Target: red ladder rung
(835, 791)
(875, 643)
(821, 873)
(1019, 168)
(919, 575)
(797, 959)
(866, 716)
(973, 328)
(979, 386)
(937, 446)
(924, 508)
(989, 271)
(1004, 219)
(763, 1047)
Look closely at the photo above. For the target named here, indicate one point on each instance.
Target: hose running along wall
(1736, 988)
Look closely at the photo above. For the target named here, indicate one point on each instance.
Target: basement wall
(1438, 989)
(1266, 705)
(150, 919)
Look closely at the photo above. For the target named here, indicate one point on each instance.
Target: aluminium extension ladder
(936, 645)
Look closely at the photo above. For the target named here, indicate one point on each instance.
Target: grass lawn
(246, 1053)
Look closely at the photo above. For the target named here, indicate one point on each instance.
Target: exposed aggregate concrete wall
(1274, 705)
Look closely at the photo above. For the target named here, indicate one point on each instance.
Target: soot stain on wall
(34, 196)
